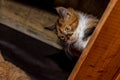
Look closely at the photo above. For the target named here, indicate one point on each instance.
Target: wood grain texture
(118, 77)
(1, 57)
(29, 20)
(100, 60)
(94, 7)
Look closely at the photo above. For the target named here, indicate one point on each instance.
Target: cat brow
(60, 31)
(73, 21)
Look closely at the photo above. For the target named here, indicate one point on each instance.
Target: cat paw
(51, 28)
(47, 27)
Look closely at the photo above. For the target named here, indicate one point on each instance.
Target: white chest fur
(79, 33)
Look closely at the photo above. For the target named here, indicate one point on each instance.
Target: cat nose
(65, 33)
(68, 37)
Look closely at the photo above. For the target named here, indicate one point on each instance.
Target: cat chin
(72, 40)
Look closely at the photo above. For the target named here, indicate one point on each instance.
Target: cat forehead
(70, 21)
(67, 11)
(72, 11)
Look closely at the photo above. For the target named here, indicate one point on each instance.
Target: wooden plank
(101, 59)
(1, 57)
(29, 20)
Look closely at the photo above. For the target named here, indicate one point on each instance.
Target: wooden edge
(26, 25)
(1, 57)
(92, 40)
(118, 77)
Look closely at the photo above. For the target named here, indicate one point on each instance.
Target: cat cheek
(65, 33)
(72, 40)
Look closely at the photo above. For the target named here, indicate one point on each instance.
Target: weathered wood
(101, 59)
(1, 57)
(29, 20)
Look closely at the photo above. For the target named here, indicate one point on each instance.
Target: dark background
(39, 60)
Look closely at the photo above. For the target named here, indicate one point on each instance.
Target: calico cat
(74, 29)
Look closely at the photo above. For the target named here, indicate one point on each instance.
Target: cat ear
(63, 13)
(51, 28)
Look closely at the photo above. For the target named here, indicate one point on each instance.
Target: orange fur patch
(72, 22)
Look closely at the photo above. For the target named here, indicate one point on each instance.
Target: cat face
(66, 24)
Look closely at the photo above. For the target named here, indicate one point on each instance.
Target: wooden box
(101, 58)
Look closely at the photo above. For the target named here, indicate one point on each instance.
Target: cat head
(66, 24)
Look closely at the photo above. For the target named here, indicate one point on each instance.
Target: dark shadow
(47, 5)
(39, 60)
(64, 61)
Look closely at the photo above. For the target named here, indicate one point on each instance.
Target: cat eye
(62, 37)
(68, 28)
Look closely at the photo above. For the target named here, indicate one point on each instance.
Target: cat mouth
(72, 40)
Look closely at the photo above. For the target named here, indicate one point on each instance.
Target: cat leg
(51, 28)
